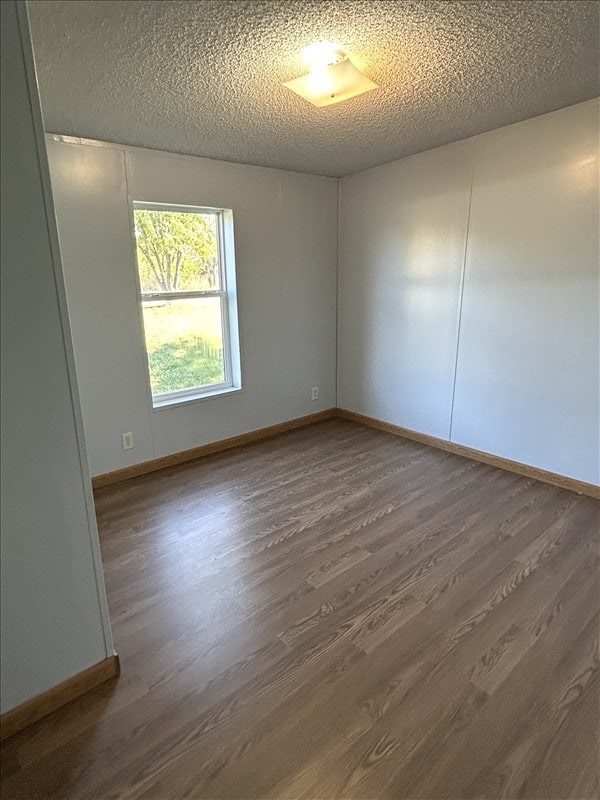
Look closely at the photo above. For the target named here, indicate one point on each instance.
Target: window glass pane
(177, 251)
(184, 339)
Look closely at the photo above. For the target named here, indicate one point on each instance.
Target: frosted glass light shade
(334, 83)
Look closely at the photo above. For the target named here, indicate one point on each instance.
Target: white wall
(54, 616)
(286, 250)
(528, 362)
(518, 377)
(401, 260)
(468, 293)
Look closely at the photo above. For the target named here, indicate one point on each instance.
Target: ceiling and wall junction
(205, 78)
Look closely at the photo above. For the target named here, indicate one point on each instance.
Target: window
(185, 261)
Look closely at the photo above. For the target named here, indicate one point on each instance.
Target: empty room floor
(336, 613)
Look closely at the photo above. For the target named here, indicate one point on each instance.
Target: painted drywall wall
(401, 258)
(54, 616)
(527, 377)
(468, 283)
(505, 358)
(286, 250)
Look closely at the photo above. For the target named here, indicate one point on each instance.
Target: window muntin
(186, 289)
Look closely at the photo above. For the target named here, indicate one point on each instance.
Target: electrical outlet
(314, 393)
(127, 439)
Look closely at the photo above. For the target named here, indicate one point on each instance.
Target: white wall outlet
(314, 393)
(127, 439)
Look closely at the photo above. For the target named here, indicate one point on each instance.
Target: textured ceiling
(205, 77)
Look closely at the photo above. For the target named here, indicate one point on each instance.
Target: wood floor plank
(336, 613)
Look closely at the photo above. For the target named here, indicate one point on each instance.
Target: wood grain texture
(553, 478)
(336, 613)
(108, 478)
(33, 710)
(563, 481)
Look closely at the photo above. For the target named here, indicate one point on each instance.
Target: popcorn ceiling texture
(204, 78)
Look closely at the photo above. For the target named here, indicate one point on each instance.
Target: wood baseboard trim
(564, 482)
(195, 453)
(31, 711)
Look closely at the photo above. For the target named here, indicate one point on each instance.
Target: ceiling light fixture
(333, 77)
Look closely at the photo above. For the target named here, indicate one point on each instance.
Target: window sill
(163, 405)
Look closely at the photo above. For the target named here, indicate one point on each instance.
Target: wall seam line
(136, 276)
(281, 261)
(462, 288)
(337, 287)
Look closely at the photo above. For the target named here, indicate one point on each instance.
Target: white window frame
(228, 295)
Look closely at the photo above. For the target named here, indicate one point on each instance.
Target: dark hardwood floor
(336, 613)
